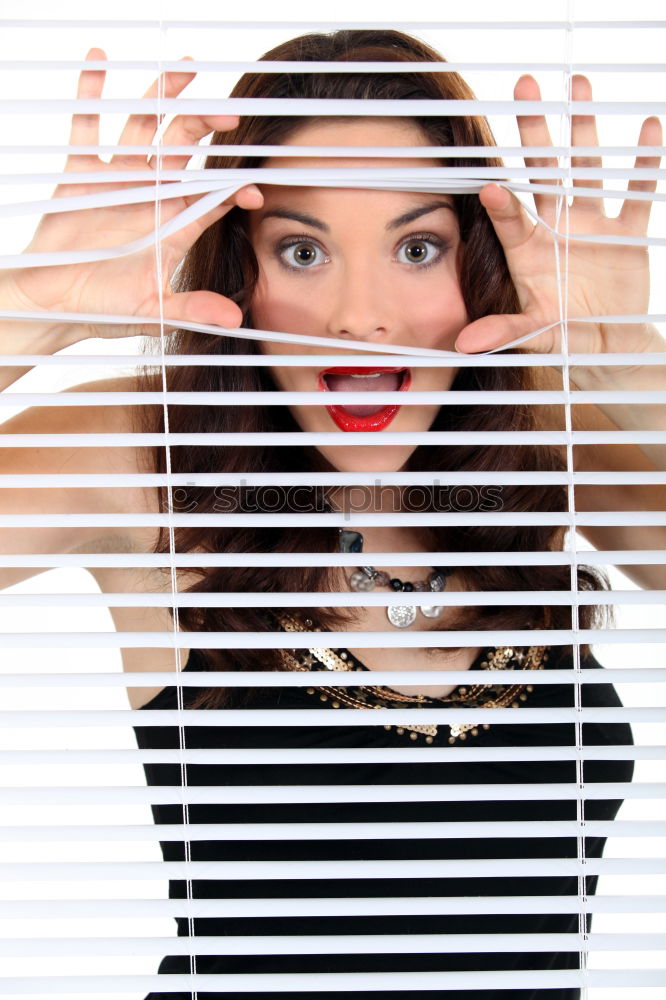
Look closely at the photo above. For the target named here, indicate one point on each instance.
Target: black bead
(407, 586)
(395, 584)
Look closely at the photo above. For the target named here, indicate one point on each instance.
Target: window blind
(85, 907)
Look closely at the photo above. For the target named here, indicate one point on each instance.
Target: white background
(41, 43)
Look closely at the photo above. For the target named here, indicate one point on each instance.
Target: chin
(367, 458)
(372, 459)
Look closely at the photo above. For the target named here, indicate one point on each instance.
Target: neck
(390, 538)
(380, 498)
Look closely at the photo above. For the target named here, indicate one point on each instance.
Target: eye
(301, 254)
(419, 250)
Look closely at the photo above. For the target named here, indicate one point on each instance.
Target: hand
(603, 279)
(126, 285)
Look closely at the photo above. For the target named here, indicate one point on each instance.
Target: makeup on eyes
(283, 247)
(440, 245)
(311, 248)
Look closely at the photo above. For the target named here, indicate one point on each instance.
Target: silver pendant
(431, 610)
(401, 615)
(360, 581)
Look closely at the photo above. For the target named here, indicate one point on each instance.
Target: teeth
(375, 375)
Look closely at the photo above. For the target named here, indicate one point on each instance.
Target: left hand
(603, 279)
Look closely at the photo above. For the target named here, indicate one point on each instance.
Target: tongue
(385, 382)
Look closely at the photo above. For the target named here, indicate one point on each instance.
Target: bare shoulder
(106, 466)
(83, 417)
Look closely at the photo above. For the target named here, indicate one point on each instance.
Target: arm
(125, 285)
(611, 497)
(69, 503)
(602, 279)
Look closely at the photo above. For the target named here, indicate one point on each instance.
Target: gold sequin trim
(474, 695)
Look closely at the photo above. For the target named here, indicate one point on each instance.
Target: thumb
(492, 332)
(207, 308)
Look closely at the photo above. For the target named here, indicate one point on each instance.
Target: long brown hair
(222, 260)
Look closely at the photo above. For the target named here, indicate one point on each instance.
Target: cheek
(439, 317)
(279, 308)
(287, 379)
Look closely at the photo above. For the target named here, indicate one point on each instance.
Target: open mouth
(364, 416)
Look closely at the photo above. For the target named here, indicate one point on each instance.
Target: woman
(399, 269)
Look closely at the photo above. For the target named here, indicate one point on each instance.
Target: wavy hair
(222, 260)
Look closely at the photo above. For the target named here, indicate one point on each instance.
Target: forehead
(354, 132)
(361, 131)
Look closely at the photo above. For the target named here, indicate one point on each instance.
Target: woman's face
(377, 267)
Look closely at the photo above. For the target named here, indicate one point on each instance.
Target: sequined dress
(418, 901)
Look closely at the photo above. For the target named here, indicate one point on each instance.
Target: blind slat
(353, 599)
(64, 909)
(347, 944)
(247, 149)
(299, 107)
(239, 794)
(68, 480)
(367, 640)
(49, 560)
(168, 24)
(329, 755)
(346, 981)
(367, 868)
(259, 679)
(332, 831)
(319, 66)
(411, 356)
(290, 439)
(503, 173)
(446, 397)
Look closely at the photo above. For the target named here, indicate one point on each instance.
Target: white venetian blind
(85, 909)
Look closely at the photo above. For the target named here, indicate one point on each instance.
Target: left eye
(417, 251)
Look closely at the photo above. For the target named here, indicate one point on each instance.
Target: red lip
(374, 422)
(371, 422)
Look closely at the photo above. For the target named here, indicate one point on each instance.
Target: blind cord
(563, 277)
(175, 608)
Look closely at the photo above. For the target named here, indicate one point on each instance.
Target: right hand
(124, 285)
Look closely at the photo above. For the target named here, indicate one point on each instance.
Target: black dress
(435, 915)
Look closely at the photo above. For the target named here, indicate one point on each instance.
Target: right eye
(301, 254)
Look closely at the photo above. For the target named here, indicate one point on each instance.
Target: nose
(360, 306)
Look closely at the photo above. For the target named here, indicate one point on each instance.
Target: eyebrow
(309, 220)
(416, 213)
(288, 213)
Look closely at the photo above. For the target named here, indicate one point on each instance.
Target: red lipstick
(352, 378)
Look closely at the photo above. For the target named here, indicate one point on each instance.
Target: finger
(510, 220)
(534, 132)
(140, 129)
(584, 133)
(492, 332)
(248, 198)
(85, 127)
(189, 130)
(201, 307)
(636, 214)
